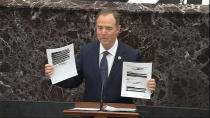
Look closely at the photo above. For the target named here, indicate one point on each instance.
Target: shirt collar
(112, 50)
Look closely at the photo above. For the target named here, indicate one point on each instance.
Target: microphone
(101, 99)
(104, 75)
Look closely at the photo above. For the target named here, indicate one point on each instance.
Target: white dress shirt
(110, 57)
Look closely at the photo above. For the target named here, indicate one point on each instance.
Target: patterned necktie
(104, 66)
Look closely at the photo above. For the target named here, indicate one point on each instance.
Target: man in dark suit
(90, 63)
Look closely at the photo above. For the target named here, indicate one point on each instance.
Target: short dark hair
(108, 11)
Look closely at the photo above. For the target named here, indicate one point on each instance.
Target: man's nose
(104, 31)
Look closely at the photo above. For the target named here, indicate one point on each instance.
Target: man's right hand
(48, 70)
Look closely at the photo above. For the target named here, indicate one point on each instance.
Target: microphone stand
(101, 100)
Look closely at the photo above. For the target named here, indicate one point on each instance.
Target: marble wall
(174, 37)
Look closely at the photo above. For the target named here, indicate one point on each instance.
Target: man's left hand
(151, 84)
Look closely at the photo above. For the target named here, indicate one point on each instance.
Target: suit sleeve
(139, 59)
(77, 80)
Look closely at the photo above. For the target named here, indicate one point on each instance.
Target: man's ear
(118, 28)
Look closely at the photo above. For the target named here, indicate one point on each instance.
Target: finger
(48, 69)
(151, 83)
(151, 80)
(48, 66)
(151, 86)
(48, 74)
(152, 89)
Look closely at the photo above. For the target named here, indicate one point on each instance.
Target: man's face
(107, 30)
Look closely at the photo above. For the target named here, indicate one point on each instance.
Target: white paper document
(134, 80)
(106, 108)
(143, 1)
(63, 60)
(110, 108)
(85, 109)
(205, 2)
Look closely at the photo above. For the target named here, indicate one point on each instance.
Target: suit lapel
(96, 65)
(116, 64)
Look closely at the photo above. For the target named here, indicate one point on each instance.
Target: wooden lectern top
(101, 114)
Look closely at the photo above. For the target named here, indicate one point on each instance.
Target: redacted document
(63, 60)
(134, 80)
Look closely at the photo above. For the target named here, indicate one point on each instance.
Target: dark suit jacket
(88, 68)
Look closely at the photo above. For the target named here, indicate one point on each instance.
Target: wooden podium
(101, 114)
